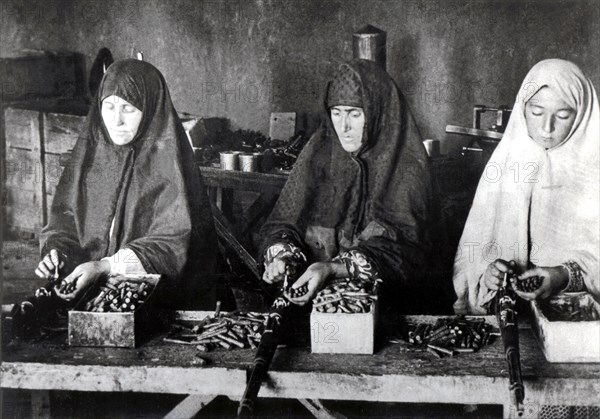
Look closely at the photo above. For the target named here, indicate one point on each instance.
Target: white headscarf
(532, 204)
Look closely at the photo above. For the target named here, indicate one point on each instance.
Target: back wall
(243, 59)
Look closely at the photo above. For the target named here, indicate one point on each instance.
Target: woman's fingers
(492, 277)
(39, 273)
(304, 278)
(531, 273)
(44, 269)
(66, 297)
(495, 272)
(529, 296)
(278, 268)
(503, 266)
(267, 274)
(72, 281)
(48, 262)
(54, 257)
(274, 271)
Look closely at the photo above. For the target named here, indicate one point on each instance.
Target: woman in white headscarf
(536, 209)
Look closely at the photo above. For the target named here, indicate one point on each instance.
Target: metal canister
(229, 160)
(248, 162)
(369, 43)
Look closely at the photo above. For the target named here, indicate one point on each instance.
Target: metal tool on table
(267, 346)
(486, 139)
(264, 356)
(505, 304)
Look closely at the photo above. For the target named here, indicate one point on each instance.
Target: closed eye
(565, 116)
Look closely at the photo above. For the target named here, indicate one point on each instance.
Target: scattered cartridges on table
(229, 331)
(344, 297)
(448, 336)
(120, 296)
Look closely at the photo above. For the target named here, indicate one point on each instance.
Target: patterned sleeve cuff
(286, 251)
(360, 267)
(576, 283)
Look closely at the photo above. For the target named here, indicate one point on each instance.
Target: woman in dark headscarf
(132, 200)
(356, 203)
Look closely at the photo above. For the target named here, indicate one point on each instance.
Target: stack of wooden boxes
(35, 139)
(32, 84)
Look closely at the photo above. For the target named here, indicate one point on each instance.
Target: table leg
(224, 201)
(319, 411)
(189, 407)
(40, 404)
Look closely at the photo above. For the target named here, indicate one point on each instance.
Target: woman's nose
(346, 124)
(548, 125)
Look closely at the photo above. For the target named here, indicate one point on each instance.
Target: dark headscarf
(151, 187)
(345, 89)
(375, 200)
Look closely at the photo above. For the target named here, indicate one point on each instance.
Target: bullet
(440, 349)
(431, 351)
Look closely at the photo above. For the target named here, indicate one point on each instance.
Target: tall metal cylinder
(369, 43)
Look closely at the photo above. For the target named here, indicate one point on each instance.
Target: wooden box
(24, 193)
(115, 329)
(567, 341)
(343, 333)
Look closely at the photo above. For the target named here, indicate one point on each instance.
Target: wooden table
(222, 185)
(395, 373)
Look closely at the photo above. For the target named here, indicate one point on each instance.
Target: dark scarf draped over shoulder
(151, 187)
(375, 200)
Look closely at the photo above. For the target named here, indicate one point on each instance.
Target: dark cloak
(150, 186)
(376, 200)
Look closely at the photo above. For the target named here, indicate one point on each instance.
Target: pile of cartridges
(229, 331)
(119, 296)
(526, 284)
(570, 309)
(344, 297)
(452, 335)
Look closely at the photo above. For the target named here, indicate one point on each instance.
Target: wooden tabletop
(396, 372)
(248, 181)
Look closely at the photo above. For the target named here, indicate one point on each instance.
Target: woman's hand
(314, 278)
(82, 277)
(494, 274)
(275, 270)
(47, 267)
(554, 279)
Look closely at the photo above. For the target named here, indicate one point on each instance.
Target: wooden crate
(25, 189)
(124, 330)
(343, 333)
(60, 133)
(563, 341)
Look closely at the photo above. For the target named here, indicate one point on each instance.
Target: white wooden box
(567, 341)
(343, 333)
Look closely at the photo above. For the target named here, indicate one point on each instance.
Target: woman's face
(121, 119)
(349, 123)
(549, 118)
